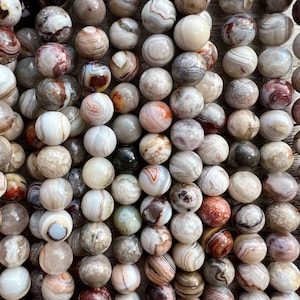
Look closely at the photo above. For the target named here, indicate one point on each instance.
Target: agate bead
(189, 7)
(248, 218)
(219, 271)
(296, 111)
(6, 152)
(95, 294)
(276, 7)
(211, 291)
(74, 176)
(12, 13)
(236, 6)
(215, 211)
(7, 117)
(283, 296)
(123, 8)
(165, 291)
(210, 54)
(252, 277)
(10, 46)
(282, 247)
(257, 295)
(126, 159)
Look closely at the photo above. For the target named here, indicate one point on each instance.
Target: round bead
(279, 6)
(12, 13)
(7, 117)
(101, 293)
(256, 295)
(154, 291)
(296, 111)
(10, 46)
(235, 6)
(126, 159)
(191, 33)
(191, 7)
(74, 176)
(121, 8)
(214, 291)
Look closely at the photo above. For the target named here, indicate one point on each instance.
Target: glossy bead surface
(248, 218)
(7, 115)
(185, 197)
(127, 249)
(296, 111)
(190, 7)
(74, 176)
(95, 294)
(165, 291)
(279, 6)
(16, 129)
(121, 8)
(10, 46)
(216, 292)
(215, 211)
(76, 148)
(188, 257)
(280, 186)
(219, 271)
(252, 277)
(257, 295)
(12, 13)
(236, 6)
(127, 219)
(17, 158)
(239, 30)
(126, 159)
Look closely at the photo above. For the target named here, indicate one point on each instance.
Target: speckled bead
(275, 62)
(252, 277)
(123, 8)
(280, 186)
(248, 218)
(156, 240)
(94, 76)
(275, 29)
(282, 217)
(239, 30)
(219, 271)
(213, 181)
(158, 16)
(284, 277)
(241, 93)
(215, 211)
(124, 33)
(282, 247)
(185, 166)
(185, 197)
(53, 24)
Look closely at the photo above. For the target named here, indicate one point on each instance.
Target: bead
(95, 270)
(10, 46)
(160, 269)
(123, 8)
(93, 141)
(76, 148)
(34, 223)
(52, 59)
(125, 189)
(295, 79)
(215, 211)
(188, 257)
(74, 176)
(186, 227)
(156, 240)
(125, 278)
(278, 66)
(212, 118)
(252, 277)
(8, 84)
(55, 257)
(275, 7)
(14, 283)
(248, 218)
(241, 93)
(95, 237)
(94, 76)
(191, 7)
(282, 247)
(127, 249)
(130, 296)
(96, 109)
(16, 188)
(295, 12)
(217, 242)
(12, 13)
(155, 116)
(74, 242)
(37, 276)
(7, 117)
(95, 294)
(213, 150)
(276, 156)
(191, 33)
(16, 129)
(213, 180)
(186, 134)
(295, 46)
(217, 292)
(3, 183)
(239, 30)
(124, 65)
(6, 152)
(91, 43)
(250, 248)
(282, 217)
(125, 97)
(240, 62)
(89, 12)
(127, 219)
(296, 111)
(124, 33)
(284, 277)
(275, 29)
(188, 68)
(126, 159)
(158, 50)
(155, 83)
(219, 271)
(158, 16)
(60, 285)
(98, 173)
(53, 24)
(282, 296)
(210, 54)
(185, 166)
(188, 284)
(156, 211)
(257, 295)
(236, 6)
(280, 186)
(97, 205)
(186, 102)
(165, 291)
(185, 197)
(35, 249)
(53, 161)
(19, 245)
